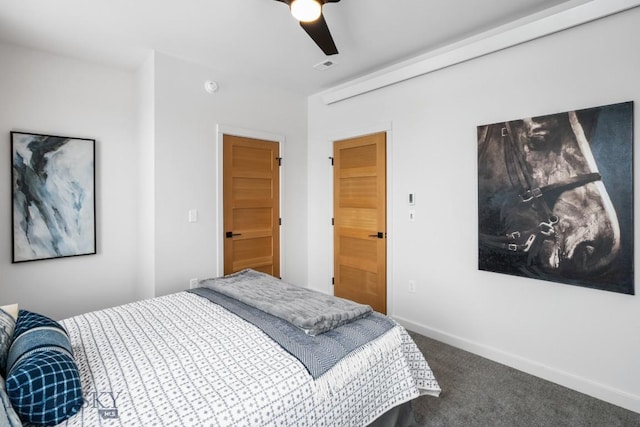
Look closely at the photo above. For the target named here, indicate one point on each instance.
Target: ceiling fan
(309, 14)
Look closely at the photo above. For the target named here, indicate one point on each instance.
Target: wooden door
(251, 205)
(360, 218)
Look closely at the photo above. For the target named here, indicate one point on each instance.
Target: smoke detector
(211, 86)
(324, 65)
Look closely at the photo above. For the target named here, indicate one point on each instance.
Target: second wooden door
(360, 244)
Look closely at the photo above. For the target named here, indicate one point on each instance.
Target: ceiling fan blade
(319, 32)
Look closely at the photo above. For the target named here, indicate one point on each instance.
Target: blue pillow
(43, 381)
(7, 326)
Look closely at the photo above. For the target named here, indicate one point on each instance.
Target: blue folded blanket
(317, 353)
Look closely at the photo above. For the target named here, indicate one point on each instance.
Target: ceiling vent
(326, 64)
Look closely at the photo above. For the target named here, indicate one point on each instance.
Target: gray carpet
(479, 392)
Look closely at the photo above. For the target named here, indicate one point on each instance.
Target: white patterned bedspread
(181, 360)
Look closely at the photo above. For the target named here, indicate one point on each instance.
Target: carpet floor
(479, 392)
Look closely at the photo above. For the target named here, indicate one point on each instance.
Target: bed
(196, 358)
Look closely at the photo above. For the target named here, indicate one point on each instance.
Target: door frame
(221, 130)
(386, 127)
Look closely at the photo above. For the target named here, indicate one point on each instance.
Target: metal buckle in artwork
(512, 247)
(529, 242)
(529, 195)
(505, 132)
(514, 236)
(546, 228)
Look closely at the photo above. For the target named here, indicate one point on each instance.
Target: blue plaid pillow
(43, 382)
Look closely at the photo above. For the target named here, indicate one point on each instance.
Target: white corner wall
(155, 131)
(49, 94)
(581, 338)
(186, 166)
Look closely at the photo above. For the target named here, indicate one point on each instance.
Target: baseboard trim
(583, 385)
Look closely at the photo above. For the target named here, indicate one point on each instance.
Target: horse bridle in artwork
(528, 241)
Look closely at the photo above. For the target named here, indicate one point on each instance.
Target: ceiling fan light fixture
(306, 10)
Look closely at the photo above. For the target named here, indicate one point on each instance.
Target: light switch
(412, 215)
(193, 215)
(412, 198)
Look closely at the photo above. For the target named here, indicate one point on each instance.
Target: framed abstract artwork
(53, 192)
(555, 197)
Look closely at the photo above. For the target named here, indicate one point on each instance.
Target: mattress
(182, 360)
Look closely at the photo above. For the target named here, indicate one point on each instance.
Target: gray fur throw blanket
(311, 311)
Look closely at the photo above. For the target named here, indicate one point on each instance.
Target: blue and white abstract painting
(53, 196)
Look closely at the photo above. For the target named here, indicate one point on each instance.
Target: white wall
(146, 277)
(186, 166)
(48, 94)
(582, 338)
(155, 131)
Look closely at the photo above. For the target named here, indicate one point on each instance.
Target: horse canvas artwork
(555, 197)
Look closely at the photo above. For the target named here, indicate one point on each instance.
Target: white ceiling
(258, 38)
